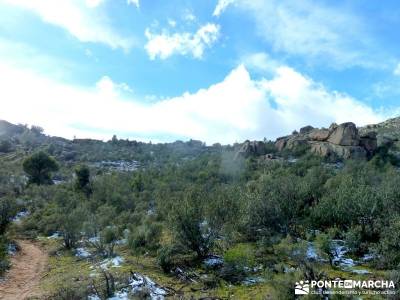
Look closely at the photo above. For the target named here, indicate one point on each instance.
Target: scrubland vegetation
(198, 220)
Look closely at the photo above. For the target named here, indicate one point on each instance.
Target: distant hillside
(338, 142)
(24, 140)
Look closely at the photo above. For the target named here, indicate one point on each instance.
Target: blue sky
(214, 70)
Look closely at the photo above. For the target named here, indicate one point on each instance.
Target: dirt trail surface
(27, 268)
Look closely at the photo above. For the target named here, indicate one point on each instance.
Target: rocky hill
(344, 141)
(338, 141)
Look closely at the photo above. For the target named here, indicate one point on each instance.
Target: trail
(27, 268)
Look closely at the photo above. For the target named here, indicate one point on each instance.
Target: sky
(213, 70)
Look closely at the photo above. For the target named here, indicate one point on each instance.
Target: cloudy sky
(214, 70)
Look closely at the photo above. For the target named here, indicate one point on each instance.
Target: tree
(39, 167)
(37, 129)
(5, 146)
(7, 211)
(325, 247)
(191, 229)
(83, 179)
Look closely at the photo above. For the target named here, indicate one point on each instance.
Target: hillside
(125, 219)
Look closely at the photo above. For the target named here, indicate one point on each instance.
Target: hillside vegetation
(128, 219)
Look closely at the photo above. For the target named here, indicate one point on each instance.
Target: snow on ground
(55, 235)
(82, 252)
(213, 261)
(12, 249)
(19, 216)
(112, 262)
(137, 283)
(340, 259)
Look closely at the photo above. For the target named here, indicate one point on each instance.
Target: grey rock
(319, 134)
(345, 134)
(306, 129)
(249, 148)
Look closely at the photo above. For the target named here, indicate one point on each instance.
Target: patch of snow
(368, 257)
(339, 251)
(213, 261)
(12, 249)
(253, 280)
(112, 262)
(55, 235)
(94, 239)
(19, 216)
(289, 270)
(121, 242)
(119, 165)
(82, 253)
(139, 282)
(311, 252)
(122, 295)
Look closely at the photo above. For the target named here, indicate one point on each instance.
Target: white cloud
(259, 61)
(318, 32)
(234, 109)
(221, 6)
(93, 3)
(133, 2)
(165, 44)
(189, 16)
(397, 70)
(171, 22)
(82, 19)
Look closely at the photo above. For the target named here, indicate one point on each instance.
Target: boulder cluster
(337, 142)
(250, 148)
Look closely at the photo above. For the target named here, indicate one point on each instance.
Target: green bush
(145, 238)
(237, 263)
(166, 258)
(4, 263)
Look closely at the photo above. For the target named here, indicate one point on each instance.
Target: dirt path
(27, 268)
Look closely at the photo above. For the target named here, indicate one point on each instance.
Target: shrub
(145, 238)
(237, 262)
(166, 258)
(389, 247)
(4, 263)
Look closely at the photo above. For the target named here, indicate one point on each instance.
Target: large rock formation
(345, 134)
(249, 148)
(338, 142)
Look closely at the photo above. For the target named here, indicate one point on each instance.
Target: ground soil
(27, 269)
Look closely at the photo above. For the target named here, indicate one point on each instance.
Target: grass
(66, 270)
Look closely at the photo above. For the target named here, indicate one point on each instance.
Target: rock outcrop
(338, 142)
(249, 148)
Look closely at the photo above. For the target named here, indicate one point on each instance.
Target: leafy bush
(237, 262)
(39, 167)
(145, 238)
(167, 258)
(389, 246)
(4, 263)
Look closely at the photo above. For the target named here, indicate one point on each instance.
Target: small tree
(191, 229)
(325, 247)
(39, 167)
(109, 237)
(7, 210)
(82, 182)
